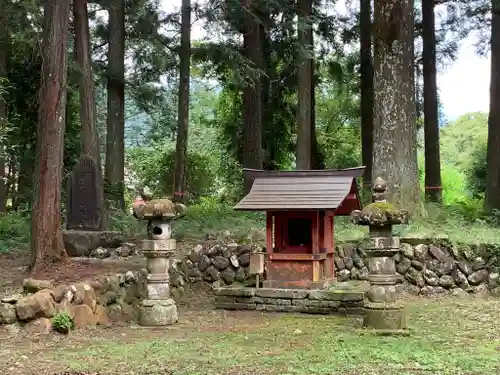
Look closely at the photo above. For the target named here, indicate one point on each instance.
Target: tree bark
(492, 196)
(431, 119)
(183, 113)
(366, 75)
(304, 126)
(90, 136)
(115, 147)
(252, 111)
(395, 130)
(3, 107)
(46, 236)
(88, 113)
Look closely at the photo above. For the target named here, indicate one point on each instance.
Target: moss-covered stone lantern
(382, 311)
(159, 308)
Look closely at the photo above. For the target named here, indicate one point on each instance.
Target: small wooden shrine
(300, 207)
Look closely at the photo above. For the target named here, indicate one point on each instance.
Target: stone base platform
(341, 298)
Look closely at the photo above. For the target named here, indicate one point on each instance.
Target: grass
(448, 336)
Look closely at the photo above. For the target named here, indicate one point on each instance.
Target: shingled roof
(299, 190)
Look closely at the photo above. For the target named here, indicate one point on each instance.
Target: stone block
(335, 295)
(234, 292)
(155, 313)
(279, 308)
(281, 293)
(316, 303)
(235, 306)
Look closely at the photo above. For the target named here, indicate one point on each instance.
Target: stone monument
(159, 308)
(382, 310)
(85, 196)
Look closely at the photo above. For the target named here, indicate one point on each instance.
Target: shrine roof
(299, 190)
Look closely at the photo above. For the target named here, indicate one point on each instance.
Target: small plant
(63, 322)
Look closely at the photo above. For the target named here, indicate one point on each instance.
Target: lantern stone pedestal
(159, 309)
(382, 310)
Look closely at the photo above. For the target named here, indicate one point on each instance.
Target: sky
(463, 85)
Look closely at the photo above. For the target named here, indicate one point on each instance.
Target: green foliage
(14, 231)
(154, 167)
(62, 322)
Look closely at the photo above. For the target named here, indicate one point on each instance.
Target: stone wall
(99, 302)
(430, 266)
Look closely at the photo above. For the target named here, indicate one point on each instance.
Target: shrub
(62, 322)
(14, 231)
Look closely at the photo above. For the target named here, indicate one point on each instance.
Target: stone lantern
(159, 308)
(382, 311)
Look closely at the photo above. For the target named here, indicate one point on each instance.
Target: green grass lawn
(448, 336)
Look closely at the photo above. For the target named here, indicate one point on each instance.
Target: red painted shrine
(300, 208)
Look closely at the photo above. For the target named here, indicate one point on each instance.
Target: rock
(420, 252)
(455, 252)
(465, 268)
(176, 280)
(430, 277)
(243, 249)
(58, 292)
(417, 265)
(126, 250)
(339, 263)
(478, 277)
(363, 273)
(358, 262)
(244, 260)
(439, 253)
(101, 316)
(492, 263)
(7, 313)
(233, 259)
(33, 285)
(349, 264)
(432, 290)
(343, 275)
(9, 330)
(348, 250)
(446, 281)
(478, 264)
(100, 253)
(215, 250)
(204, 263)
(403, 266)
(228, 276)
(232, 247)
(220, 262)
(38, 305)
(415, 277)
(40, 326)
(481, 290)
(12, 299)
(493, 280)
(407, 250)
(411, 290)
(354, 273)
(240, 275)
(83, 316)
(130, 277)
(194, 272)
(195, 254)
(84, 295)
(444, 268)
(79, 243)
(459, 292)
(211, 274)
(460, 279)
(397, 257)
(495, 291)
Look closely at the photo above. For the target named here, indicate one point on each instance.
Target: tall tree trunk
(3, 107)
(88, 114)
(317, 157)
(90, 137)
(395, 130)
(115, 145)
(431, 122)
(183, 113)
(366, 75)
(46, 235)
(252, 112)
(492, 196)
(304, 128)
